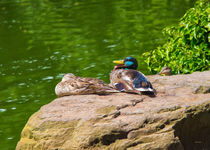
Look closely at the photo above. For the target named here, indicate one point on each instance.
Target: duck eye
(128, 63)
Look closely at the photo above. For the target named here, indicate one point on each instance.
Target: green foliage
(187, 47)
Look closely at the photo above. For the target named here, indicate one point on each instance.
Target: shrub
(187, 47)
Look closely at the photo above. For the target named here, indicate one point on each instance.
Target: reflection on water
(41, 40)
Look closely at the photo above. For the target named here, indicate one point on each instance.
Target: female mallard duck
(72, 85)
(125, 77)
(165, 71)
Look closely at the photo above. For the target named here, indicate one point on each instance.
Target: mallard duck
(73, 85)
(125, 77)
(165, 71)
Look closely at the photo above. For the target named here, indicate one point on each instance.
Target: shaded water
(40, 40)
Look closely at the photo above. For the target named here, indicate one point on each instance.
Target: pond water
(40, 40)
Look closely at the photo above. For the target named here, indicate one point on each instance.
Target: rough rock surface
(178, 118)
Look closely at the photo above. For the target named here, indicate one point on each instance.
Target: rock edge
(178, 118)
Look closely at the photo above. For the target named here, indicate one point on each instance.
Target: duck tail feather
(144, 89)
(112, 91)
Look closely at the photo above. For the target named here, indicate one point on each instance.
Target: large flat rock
(178, 118)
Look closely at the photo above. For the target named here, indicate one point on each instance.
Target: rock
(178, 118)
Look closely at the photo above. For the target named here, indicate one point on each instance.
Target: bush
(187, 47)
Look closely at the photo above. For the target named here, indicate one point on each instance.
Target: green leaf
(186, 49)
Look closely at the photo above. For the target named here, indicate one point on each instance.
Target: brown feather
(72, 85)
(122, 80)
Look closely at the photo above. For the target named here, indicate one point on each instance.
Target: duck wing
(70, 87)
(82, 86)
(140, 82)
(130, 81)
(98, 86)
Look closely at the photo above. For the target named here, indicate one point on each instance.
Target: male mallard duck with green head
(74, 85)
(124, 77)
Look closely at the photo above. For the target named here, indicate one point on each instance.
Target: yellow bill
(120, 62)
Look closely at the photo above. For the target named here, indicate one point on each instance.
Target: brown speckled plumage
(73, 85)
(165, 71)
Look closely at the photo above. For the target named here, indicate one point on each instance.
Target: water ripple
(2, 110)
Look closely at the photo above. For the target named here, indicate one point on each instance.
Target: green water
(40, 40)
